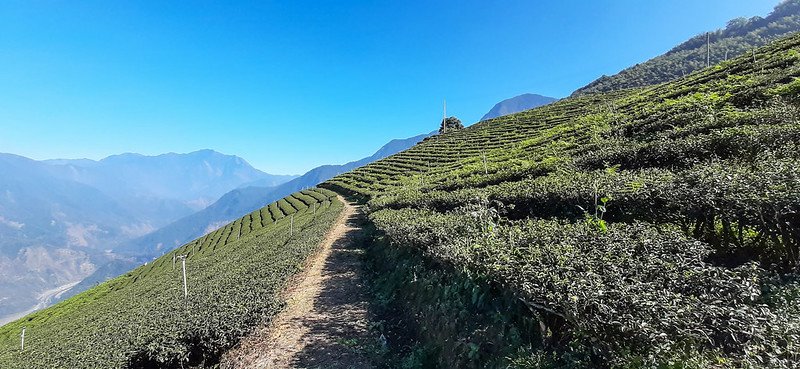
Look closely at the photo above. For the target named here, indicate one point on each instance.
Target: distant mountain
(37, 208)
(196, 179)
(59, 218)
(241, 201)
(50, 231)
(739, 36)
(517, 104)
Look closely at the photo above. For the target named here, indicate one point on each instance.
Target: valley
(45, 299)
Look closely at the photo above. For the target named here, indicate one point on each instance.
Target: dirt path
(325, 323)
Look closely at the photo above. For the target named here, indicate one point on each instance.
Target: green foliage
(790, 90)
(592, 287)
(450, 124)
(457, 321)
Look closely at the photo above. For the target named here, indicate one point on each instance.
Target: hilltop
(741, 35)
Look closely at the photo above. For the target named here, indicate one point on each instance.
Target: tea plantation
(654, 227)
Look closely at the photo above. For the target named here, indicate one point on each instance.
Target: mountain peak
(517, 104)
(207, 152)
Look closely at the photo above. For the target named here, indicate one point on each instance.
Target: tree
(450, 124)
(737, 24)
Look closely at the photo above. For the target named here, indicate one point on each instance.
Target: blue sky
(295, 84)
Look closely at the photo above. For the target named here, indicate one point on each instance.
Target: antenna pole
(444, 116)
(291, 225)
(708, 49)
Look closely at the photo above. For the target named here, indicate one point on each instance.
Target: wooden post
(22, 340)
(183, 266)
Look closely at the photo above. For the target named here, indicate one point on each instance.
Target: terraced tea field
(656, 227)
(142, 319)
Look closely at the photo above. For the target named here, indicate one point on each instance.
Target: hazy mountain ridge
(196, 179)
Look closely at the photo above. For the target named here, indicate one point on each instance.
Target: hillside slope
(740, 36)
(645, 228)
(150, 318)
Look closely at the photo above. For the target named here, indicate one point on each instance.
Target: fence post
(185, 289)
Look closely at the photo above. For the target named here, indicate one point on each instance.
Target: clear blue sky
(294, 84)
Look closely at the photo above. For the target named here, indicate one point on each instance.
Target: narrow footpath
(325, 323)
